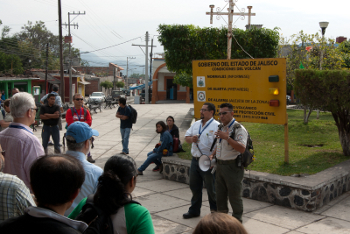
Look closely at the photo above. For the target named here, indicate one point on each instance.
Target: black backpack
(133, 116)
(98, 221)
(245, 159)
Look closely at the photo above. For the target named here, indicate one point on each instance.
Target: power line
(111, 46)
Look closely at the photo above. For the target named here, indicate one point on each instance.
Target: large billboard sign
(255, 87)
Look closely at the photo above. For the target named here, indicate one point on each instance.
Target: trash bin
(137, 100)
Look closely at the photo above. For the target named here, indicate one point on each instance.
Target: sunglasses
(79, 99)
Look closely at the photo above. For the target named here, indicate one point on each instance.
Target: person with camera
(201, 135)
(163, 148)
(232, 140)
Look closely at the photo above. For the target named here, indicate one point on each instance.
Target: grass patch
(313, 147)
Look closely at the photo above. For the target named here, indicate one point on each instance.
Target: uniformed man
(232, 140)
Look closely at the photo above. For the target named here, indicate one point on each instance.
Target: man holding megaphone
(201, 136)
(231, 142)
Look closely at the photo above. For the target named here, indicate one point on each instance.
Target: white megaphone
(205, 163)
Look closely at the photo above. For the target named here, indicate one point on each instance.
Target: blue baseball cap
(81, 131)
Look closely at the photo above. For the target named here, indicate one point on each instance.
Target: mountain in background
(96, 61)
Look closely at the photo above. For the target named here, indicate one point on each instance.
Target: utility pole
(127, 70)
(230, 15)
(150, 57)
(146, 67)
(69, 56)
(61, 51)
(47, 58)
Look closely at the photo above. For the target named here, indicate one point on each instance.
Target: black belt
(50, 125)
(225, 162)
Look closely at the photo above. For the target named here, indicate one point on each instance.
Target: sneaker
(50, 143)
(157, 168)
(161, 168)
(89, 159)
(123, 153)
(139, 172)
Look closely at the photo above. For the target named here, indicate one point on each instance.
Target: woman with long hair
(113, 197)
(171, 127)
(163, 148)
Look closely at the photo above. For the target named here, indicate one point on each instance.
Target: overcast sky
(111, 22)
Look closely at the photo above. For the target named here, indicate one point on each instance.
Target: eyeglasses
(203, 110)
(79, 99)
(36, 108)
(223, 113)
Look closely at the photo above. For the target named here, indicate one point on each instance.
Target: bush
(327, 90)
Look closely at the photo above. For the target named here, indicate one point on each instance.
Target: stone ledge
(303, 193)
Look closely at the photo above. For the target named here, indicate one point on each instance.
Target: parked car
(116, 94)
(97, 97)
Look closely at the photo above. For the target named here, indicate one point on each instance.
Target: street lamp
(323, 26)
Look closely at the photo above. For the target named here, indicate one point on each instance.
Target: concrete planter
(307, 193)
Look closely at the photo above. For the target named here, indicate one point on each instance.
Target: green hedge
(184, 43)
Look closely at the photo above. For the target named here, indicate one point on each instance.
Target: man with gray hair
(79, 141)
(18, 140)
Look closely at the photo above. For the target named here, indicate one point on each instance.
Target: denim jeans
(55, 133)
(197, 177)
(125, 132)
(151, 157)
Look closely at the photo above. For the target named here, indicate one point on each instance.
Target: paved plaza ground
(168, 200)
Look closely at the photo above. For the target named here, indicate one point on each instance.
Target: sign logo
(201, 81)
(201, 96)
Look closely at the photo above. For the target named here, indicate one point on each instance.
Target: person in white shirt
(201, 134)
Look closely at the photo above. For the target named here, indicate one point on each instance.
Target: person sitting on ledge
(163, 148)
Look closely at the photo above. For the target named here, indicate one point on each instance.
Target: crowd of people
(61, 193)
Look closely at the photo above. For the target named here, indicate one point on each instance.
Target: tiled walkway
(167, 200)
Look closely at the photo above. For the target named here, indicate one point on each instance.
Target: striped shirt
(14, 197)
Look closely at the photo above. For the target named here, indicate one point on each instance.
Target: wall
(93, 86)
(307, 193)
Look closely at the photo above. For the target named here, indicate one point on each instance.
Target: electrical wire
(111, 46)
(241, 47)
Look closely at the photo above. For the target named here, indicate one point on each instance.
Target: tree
(10, 63)
(30, 45)
(306, 49)
(344, 50)
(327, 90)
(120, 84)
(185, 43)
(107, 85)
